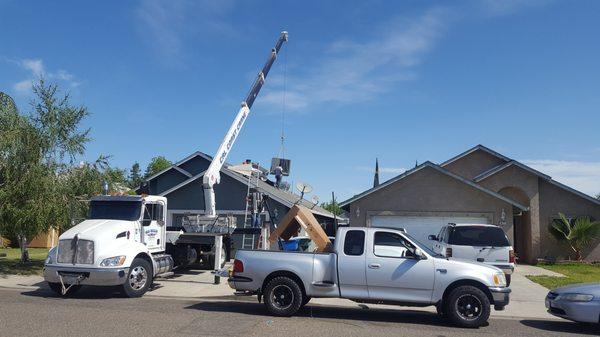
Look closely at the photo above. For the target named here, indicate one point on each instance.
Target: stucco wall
(427, 191)
(553, 200)
(474, 164)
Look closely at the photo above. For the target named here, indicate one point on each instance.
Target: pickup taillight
(448, 252)
(511, 256)
(238, 266)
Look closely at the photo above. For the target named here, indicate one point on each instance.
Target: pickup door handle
(374, 265)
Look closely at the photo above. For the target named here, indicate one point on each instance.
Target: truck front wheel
(139, 278)
(467, 306)
(283, 296)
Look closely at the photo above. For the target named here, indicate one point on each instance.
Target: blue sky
(402, 81)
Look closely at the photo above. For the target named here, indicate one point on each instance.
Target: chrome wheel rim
(138, 278)
(469, 307)
(282, 297)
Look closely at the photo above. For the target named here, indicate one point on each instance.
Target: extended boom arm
(212, 175)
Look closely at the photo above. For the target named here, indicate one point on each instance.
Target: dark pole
(335, 226)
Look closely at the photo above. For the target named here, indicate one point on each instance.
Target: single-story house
(181, 183)
(477, 186)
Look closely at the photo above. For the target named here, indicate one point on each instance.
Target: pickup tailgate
(316, 271)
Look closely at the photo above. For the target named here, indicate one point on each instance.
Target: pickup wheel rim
(282, 297)
(469, 307)
(138, 278)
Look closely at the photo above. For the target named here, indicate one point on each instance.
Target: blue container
(291, 245)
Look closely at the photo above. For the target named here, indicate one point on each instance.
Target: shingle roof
(441, 170)
(473, 149)
(284, 197)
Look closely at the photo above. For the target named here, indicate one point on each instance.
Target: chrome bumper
(506, 269)
(500, 295)
(87, 276)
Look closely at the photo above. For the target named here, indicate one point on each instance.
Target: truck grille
(76, 251)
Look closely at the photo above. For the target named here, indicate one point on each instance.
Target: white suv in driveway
(481, 243)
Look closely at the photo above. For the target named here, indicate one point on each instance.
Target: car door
(394, 273)
(152, 223)
(437, 245)
(352, 265)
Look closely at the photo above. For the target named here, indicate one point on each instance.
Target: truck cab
(121, 244)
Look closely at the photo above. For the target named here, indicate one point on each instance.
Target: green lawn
(10, 264)
(574, 272)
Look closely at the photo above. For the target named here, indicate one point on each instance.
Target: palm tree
(577, 234)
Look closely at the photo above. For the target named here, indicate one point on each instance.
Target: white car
(481, 243)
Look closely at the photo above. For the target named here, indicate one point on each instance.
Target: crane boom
(212, 175)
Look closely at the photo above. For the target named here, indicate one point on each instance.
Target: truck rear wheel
(467, 307)
(139, 278)
(283, 296)
(57, 288)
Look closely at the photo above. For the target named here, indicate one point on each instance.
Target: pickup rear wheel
(283, 296)
(139, 278)
(467, 306)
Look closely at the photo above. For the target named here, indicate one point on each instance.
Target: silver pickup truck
(372, 265)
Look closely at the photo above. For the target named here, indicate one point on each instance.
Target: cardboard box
(300, 217)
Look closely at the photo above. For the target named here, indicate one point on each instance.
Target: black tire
(283, 296)
(57, 288)
(508, 277)
(305, 300)
(139, 278)
(467, 307)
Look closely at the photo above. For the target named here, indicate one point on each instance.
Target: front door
(394, 273)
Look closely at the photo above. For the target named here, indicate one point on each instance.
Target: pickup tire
(57, 288)
(139, 278)
(467, 307)
(283, 296)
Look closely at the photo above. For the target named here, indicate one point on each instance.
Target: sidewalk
(527, 297)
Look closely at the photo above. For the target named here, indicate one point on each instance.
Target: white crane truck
(125, 242)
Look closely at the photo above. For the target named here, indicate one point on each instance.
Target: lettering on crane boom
(233, 136)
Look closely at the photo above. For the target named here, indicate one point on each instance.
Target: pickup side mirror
(419, 254)
(432, 238)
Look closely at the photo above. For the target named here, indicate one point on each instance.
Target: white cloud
(36, 69)
(506, 7)
(166, 25)
(582, 176)
(355, 71)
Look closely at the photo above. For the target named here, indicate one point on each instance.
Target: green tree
(156, 165)
(36, 153)
(577, 233)
(135, 176)
(333, 207)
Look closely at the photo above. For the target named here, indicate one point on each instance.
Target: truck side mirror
(419, 254)
(432, 237)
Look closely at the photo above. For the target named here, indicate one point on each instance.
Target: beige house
(44, 240)
(477, 186)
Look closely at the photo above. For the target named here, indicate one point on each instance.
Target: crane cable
(282, 147)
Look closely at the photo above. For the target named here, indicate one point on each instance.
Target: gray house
(477, 186)
(182, 185)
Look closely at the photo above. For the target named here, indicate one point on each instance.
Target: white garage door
(420, 227)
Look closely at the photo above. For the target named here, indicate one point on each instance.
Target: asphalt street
(94, 313)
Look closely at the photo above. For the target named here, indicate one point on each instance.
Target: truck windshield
(115, 210)
(478, 236)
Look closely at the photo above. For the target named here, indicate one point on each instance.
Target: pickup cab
(372, 265)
